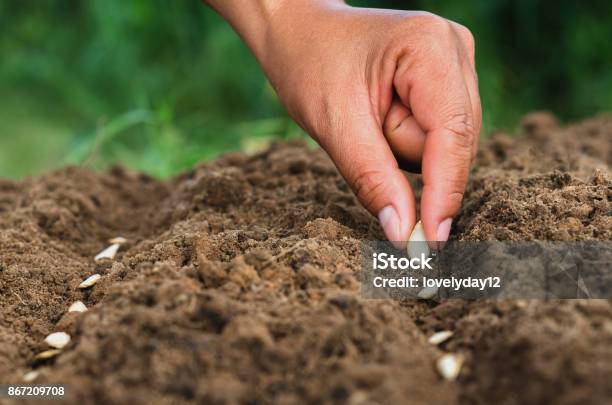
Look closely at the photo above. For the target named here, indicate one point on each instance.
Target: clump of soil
(240, 283)
(551, 184)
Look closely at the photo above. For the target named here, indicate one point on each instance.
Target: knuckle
(470, 46)
(426, 18)
(461, 124)
(454, 186)
(438, 35)
(455, 197)
(466, 36)
(440, 29)
(432, 22)
(431, 28)
(367, 184)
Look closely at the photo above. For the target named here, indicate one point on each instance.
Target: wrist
(259, 22)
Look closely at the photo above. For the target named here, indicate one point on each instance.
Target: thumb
(365, 160)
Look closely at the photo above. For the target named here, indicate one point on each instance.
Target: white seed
(582, 286)
(428, 293)
(108, 253)
(449, 366)
(47, 354)
(58, 340)
(440, 337)
(90, 281)
(30, 376)
(119, 240)
(77, 307)
(417, 244)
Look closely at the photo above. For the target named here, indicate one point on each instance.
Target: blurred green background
(161, 84)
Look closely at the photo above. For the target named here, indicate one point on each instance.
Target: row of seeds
(59, 340)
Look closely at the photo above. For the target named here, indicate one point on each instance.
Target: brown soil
(240, 283)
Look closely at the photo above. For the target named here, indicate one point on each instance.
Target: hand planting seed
(77, 307)
(47, 354)
(440, 337)
(449, 366)
(90, 281)
(428, 293)
(30, 376)
(58, 340)
(108, 253)
(417, 244)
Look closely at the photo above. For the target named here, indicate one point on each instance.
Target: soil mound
(240, 283)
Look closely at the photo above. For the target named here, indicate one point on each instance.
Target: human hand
(379, 90)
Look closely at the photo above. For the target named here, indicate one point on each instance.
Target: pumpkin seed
(449, 366)
(90, 281)
(108, 253)
(77, 307)
(440, 337)
(119, 240)
(58, 340)
(30, 376)
(417, 243)
(428, 293)
(47, 354)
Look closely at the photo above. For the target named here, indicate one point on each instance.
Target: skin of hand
(379, 90)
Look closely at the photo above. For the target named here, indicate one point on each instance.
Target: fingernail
(444, 230)
(390, 222)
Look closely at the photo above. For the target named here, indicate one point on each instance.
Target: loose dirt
(240, 283)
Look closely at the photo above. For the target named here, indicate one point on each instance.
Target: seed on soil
(108, 253)
(449, 366)
(440, 337)
(77, 307)
(58, 340)
(30, 376)
(428, 293)
(417, 244)
(582, 286)
(119, 240)
(90, 281)
(47, 354)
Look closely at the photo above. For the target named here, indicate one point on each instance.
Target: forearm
(253, 20)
